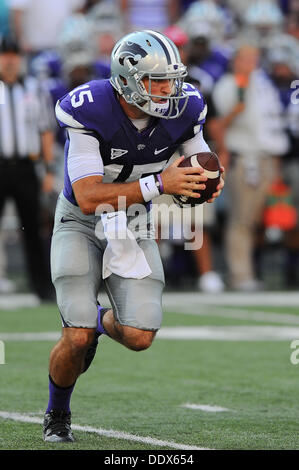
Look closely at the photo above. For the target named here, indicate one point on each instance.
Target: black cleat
(57, 427)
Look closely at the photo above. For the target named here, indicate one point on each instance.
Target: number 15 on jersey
(77, 99)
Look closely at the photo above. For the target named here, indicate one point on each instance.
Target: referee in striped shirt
(26, 131)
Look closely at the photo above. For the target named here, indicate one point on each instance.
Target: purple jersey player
(121, 134)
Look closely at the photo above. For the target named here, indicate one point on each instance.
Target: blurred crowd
(243, 55)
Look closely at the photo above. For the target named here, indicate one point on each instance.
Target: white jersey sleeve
(84, 157)
(195, 145)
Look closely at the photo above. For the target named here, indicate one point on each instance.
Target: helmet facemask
(150, 103)
(130, 82)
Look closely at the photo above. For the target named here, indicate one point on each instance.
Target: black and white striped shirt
(25, 112)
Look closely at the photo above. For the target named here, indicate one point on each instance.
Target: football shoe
(57, 427)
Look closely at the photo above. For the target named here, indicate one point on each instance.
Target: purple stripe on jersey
(87, 174)
(68, 190)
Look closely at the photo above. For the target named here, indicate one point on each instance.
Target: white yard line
(24, 418)
(240, 314)
(172, 299)
(279, 299)
(216, 333)
(14, 301)
(39, 336)
(230, 333)
(207, 408)
(195, 303)
(202, 304)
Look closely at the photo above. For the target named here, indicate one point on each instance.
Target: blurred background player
(154, 14)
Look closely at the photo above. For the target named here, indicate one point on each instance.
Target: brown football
(210, 163)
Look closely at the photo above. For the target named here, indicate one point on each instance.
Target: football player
(121, 134)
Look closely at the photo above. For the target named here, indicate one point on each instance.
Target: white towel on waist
(122, 256)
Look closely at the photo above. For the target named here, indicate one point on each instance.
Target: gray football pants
(76, 268)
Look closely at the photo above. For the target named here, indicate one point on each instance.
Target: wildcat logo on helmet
(132, 50)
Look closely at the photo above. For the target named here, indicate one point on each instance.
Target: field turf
(142, 393)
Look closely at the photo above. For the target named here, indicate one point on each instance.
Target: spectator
(107, 27)
(292, 26)
(291, 176)
(4, 18)
(37, 23)
(150, 14)
(207, 61)
(282, 68)
(208, 279)
(263, 21)
(252, 133)
(91, 34)
(106, 16)
(180, 38)
(24, 120)
(77, 69)
(206, 65)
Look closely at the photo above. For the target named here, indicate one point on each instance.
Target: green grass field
(142, 393)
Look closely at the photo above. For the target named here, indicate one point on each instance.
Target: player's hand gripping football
(183, 180)
(186, 180)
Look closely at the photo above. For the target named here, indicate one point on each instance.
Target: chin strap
(157, 108)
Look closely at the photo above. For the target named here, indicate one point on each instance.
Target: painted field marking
(202, 304)
(25, 418)
(279, 299)
(14, 301)
(172, 299)
(230, 333)
(208, 408)
(37, 336)
(2, 353)
(217, 333)
(240, 314)
(214, 333)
